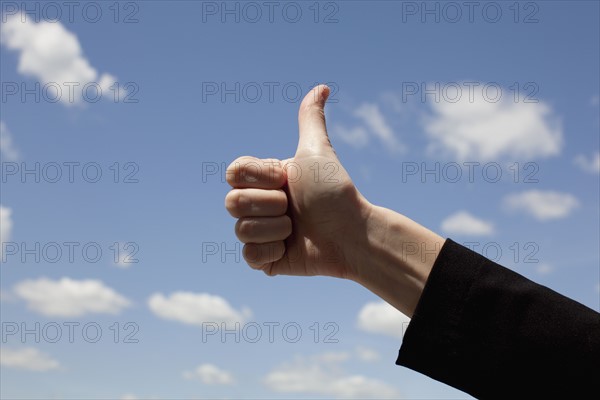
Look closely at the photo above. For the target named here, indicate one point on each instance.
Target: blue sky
(532, 117)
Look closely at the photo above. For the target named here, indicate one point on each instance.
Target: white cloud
(366, 354)
(69, 298)
(52, 54)
(130, 396)
(357, 136)
(463, 223)
(324, 375)
(28, 358)
(382, 318)
(126, 255)
(331, 357)
(210, 375)
(6, 225)
(542, 205)
(544, 269)
(7, 150)
(195, 308)
(591, 165)
(122, 264)
(375, 121)
(477, 129)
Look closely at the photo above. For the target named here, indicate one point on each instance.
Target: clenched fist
(304, 216)
(298, 216)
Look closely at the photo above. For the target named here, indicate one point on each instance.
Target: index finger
(252, 172)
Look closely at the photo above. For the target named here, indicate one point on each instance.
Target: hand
(303, 215)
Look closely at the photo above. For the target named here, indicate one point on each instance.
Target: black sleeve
(492, 333)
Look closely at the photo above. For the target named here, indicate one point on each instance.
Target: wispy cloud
(591, 165)
(324, 375)
(542, 205)
(356, 137)
(366, 354)
(209, 374)
(544, 269)
(7, 149)
(372, 117)
(373, 126)
(125, 257)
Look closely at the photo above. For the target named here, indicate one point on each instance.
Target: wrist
(394, 257)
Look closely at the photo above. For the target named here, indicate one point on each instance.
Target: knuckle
(254, 265)
(232, 201)
(232, 171)
(238, 169)
(268, 270)
(245, 228)
(238, 202)
(250, 253)
(249, 170)
(241, 162)
(257, 254)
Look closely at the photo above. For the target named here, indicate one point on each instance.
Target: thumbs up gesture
(302, 215)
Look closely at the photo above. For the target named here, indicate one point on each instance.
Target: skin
(304, 216)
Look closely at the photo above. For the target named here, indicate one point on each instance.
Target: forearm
(395, 257)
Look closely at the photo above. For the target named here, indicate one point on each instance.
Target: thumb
(311, 122)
